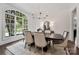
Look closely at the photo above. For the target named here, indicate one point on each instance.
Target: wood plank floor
(5, 51)
(20, 48)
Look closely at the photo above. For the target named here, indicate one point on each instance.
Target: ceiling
(52, 9)
(30, 7)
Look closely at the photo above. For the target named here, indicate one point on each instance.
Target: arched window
(15, 22)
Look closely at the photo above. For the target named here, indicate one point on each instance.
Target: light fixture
(40, 15)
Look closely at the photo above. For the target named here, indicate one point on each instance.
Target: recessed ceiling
(29, 7)
(52, 9)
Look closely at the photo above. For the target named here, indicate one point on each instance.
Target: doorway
(74, 23)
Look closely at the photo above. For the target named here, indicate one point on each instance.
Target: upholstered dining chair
(65, 39)
(40, 40)
(70, 49)
(39, 30)
(28, 38)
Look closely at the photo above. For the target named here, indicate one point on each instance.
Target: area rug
(18, 49)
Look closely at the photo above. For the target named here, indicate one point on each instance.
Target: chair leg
(42, 50)
(25, 45)
(51, 43)
(35, 49)
(29, 48)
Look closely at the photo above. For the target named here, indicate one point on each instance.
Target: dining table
(54, 38)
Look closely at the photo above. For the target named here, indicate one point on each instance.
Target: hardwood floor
(18, 48)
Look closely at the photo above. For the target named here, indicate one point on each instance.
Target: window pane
(12, 29)
(18, 25)
(9, 27)
(17, 13)
(13, 12)
(6, 31)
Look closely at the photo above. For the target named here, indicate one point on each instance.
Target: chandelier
(40, 15)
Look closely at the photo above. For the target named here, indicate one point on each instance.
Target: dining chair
(65, 39)
(39, 30)
(40, 40)
(49, 32)
(70, 49)
(28, 39)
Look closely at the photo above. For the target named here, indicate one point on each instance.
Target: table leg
(51, 43)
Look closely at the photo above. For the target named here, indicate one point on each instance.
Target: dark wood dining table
(56, 38)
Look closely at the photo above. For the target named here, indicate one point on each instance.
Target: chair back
(40, 39)
(39, 30)
(65, 39)
(28, 37)
(65, 34)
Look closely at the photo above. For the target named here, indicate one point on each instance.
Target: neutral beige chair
(70, 49)
(40, 40)
(28, 38)
(49, 32)
(65, 37)
(39, 30)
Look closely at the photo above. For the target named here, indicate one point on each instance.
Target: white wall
(61, 19)
(1, 13)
